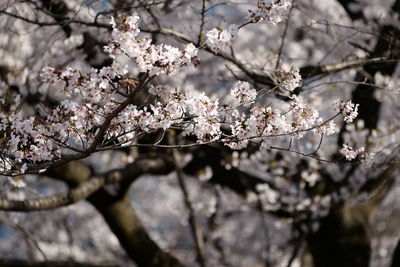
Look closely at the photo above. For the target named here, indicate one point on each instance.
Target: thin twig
(278, 61)
(203, 14)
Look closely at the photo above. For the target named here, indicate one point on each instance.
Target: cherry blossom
(289, 80)
(218, 39)
(349, 152)
(243, 94)
(271, 10)
(155, 59)
(347, 109)
(91, 97)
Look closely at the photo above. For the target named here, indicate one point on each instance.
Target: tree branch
(117, 209)
(123, 176)
(51, 202)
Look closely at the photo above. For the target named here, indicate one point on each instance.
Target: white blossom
(243, 94)
(271, 10)
(349, 152)
(348, 109)
(289, 80)
(156, 59)
(218, 39)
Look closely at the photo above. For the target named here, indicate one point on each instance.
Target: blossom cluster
(351, 153)
(195, 112)
(94, 86)
(89, 98)
(265, 122)
(270, 10)
(218, 39)
(243, 94)
(289, 80)
(348, 109)
(155, 59)
(23, 138)
(97, 110)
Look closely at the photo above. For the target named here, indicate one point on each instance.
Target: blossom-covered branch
(98, 108)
